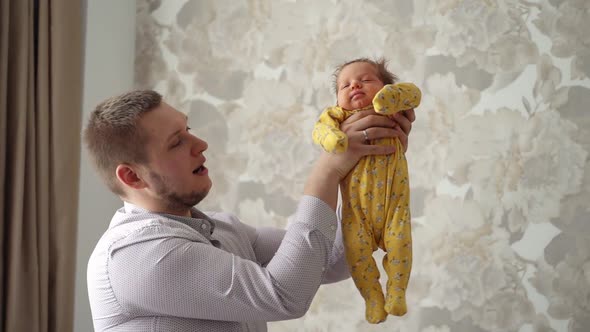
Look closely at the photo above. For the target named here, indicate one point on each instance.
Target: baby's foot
(375, 313)
(396, 305)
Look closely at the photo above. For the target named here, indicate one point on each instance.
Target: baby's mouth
(357, 95)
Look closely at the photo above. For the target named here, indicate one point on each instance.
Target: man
(163, 265)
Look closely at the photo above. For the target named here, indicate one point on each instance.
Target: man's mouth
(201, 170)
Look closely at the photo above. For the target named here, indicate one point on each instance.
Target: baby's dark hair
(380, 65)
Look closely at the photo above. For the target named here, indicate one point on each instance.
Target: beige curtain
(41, 51)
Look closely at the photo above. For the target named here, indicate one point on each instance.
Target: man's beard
(175, 201)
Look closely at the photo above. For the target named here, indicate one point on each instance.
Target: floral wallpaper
(498, 155)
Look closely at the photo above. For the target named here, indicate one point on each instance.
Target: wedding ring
(366, 136)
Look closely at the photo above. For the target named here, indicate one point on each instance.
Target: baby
(376, 193)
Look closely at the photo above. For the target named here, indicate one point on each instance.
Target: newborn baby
(376, 193)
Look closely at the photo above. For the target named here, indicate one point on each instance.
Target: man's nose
(199, 146)
(355, 85)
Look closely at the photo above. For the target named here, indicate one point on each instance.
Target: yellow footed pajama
(375, 208)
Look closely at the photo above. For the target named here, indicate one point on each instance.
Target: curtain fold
(41, 61)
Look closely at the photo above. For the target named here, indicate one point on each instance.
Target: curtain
(41, 58)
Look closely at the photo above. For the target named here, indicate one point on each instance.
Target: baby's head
(356, 82)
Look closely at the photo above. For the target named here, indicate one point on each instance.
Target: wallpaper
(498, 156)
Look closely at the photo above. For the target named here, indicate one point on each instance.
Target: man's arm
(266, 241)
(182, 278)
(338, 270)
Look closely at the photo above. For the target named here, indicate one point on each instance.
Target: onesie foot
(375, 313)
(396, 305)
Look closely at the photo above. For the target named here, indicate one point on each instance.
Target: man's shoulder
(227, 221)
(139, 223)
(128, 230)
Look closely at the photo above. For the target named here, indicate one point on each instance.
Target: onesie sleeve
(327, 133)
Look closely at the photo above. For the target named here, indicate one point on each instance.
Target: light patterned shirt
(211, 272)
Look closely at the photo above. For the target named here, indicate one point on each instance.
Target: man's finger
(404, 123)
(378, 149)
(403, 138)
(410, 115)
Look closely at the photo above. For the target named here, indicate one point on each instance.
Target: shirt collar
(196, 221)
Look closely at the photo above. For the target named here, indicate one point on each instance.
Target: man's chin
(198, 198)
(204, 194)
(178, 201)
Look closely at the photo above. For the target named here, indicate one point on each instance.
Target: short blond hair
(113, 135)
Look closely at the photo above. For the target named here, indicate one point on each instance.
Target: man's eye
(367, 80)
(345, 86)
(177, 143)
(188, 128)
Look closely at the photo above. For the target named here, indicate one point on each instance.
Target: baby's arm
(327, 133)
(393, 98)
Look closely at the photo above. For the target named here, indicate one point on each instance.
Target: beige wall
(498, 157)
(108, 70)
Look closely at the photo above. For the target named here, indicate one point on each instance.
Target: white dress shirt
(211, 272)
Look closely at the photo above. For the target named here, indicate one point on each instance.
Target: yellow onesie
(375, 208)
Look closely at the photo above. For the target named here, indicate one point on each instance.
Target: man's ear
(128, 176)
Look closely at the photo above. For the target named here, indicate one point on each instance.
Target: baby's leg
(398, 265)
(398, 244)
(358, 242)
(359, 239)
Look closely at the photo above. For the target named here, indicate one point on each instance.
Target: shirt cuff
(318, 215)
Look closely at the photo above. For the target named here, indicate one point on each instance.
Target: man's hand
(361, 127)
(378, 126)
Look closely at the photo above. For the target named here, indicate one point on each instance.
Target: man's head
(142, 148)
(356, 82)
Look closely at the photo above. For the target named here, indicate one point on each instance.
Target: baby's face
(357, 84)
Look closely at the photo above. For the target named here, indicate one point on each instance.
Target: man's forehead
(163, 114)
(162, 121)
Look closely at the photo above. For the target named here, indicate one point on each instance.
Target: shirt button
(323, 269)
(203, 226)
(333, 227)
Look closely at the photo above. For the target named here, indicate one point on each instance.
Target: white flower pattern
(487, 165)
